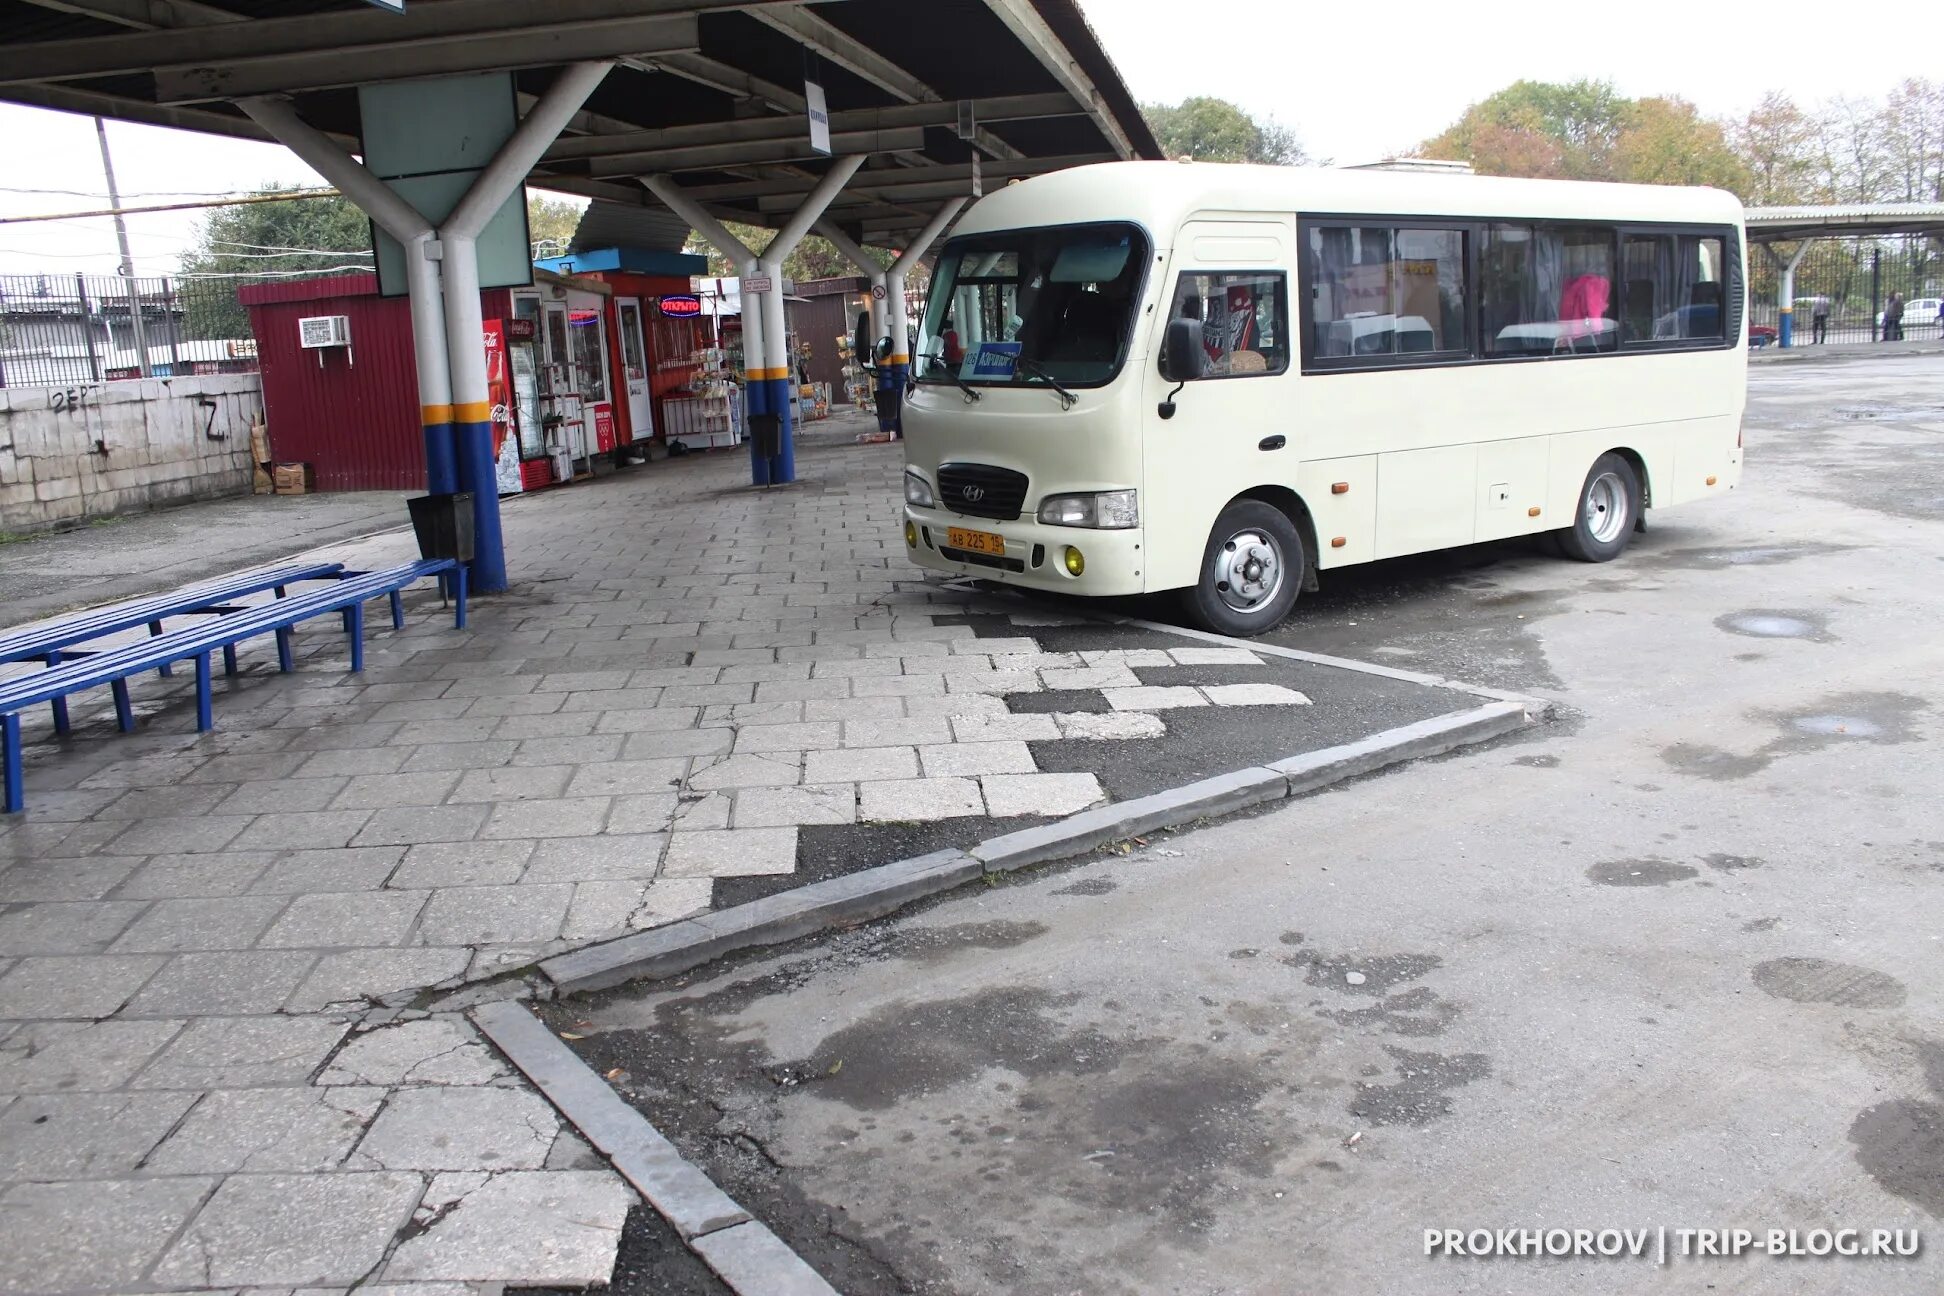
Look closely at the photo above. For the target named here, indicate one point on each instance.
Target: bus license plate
(981, 542)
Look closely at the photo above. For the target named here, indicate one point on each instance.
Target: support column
(756, 394)
(894, 303)
(880, 297)
(779, 364)
(472, 407)
(1785, 306)
(755, 397)
(434, 377)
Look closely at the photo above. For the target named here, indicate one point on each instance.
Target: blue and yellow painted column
(776, 379)
(472, 412)
(441, 469)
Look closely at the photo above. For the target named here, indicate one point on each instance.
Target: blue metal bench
(47, 641)
(114, 666)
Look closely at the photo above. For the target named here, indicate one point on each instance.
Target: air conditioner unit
(316, 331)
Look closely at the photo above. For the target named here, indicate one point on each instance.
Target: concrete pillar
(894, 303)
(1785, 322)
(756, 392)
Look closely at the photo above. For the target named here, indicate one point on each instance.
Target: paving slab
(292, 1230)
(552, 1228)
(91, 1236)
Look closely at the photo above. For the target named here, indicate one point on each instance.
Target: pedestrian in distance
(1819, 316)
(1893, 318)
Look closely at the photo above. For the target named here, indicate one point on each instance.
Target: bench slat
(36, 640)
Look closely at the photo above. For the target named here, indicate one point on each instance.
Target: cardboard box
(295, 479)
(259, 444)
(263, 482)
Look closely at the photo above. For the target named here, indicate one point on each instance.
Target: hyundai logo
(972, 494)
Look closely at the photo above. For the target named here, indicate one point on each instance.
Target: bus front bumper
(1036, 556)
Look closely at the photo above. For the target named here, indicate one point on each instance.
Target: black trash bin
(443, 525)
(766, 430)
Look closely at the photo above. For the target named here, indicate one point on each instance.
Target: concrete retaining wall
(70, 453)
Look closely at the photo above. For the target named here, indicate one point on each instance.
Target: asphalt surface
(1671, 961)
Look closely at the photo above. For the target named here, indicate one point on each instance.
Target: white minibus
(1225, 380)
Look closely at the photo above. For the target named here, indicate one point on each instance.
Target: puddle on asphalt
(1838, 726)
(1883, 718)
(1764, 624)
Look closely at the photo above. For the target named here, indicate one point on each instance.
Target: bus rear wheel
(1250, 573)
(1609, 509)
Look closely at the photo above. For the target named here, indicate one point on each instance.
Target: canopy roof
(710, 94)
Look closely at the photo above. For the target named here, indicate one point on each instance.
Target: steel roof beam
(446, 56)
(713, 157)
(891, 181)
(332, 32)
(63, 98)
(1024, 21)
(833, 43)
(719, 76)
(144, 15)
(751, 129)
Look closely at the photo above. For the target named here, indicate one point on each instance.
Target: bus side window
(1244, 318)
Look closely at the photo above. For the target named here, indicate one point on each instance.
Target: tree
(1777, 143)
(1667, 141)
(1215, 130)
(265, 241)
(1538, 129)
(1912, 125)
(551, 223)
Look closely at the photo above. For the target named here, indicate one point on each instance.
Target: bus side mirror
(1182, 355)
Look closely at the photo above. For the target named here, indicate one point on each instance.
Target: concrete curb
(875, 892)
(742, 1252)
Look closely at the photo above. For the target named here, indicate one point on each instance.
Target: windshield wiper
(1038, 370)
(971, 393)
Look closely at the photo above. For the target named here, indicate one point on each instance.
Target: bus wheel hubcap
(1606, 508)
(1248, 571)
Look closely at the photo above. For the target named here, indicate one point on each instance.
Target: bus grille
(981, 490)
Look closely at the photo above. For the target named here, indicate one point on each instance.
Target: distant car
(1761, 335)
(1919, 312)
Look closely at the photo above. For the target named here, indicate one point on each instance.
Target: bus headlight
(1101, 510)
(918, 491)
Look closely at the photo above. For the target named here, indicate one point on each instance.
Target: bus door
(1233, 428)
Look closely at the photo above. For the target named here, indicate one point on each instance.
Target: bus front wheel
(1609, 509)
(1250, 573)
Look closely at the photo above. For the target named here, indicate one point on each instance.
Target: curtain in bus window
(1546, 290)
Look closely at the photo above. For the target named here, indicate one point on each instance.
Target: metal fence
(60, 329)
(1853, 278)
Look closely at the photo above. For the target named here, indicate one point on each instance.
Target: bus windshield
(1033, 307)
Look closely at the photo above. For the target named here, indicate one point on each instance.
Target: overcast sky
(1355, 81)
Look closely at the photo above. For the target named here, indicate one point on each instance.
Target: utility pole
(127, 261)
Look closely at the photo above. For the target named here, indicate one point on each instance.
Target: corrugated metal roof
(607, 224)
(1847, 213)
(1789, 224)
